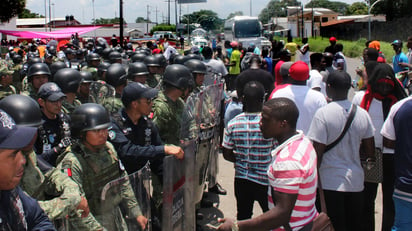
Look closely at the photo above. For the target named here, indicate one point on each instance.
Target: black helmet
(54, 67)
(68, 80)
(138, 57)
(106, 52)
(151, 61)
(34, 60)
(17, 59)
(196, 66)
(114, 56)
(161, 60)
(89, 116)
(180, 59)
(194, 56)
(86, 76)
(137, 68)
(52, 50)
(23, 109)
(99, 50)
(118, 49)
(116, 75)
(178, 76)
(103, 66)
(92, 57)
(38, 69)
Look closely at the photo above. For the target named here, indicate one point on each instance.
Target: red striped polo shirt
(293, 171)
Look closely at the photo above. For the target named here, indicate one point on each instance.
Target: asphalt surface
(225, 205)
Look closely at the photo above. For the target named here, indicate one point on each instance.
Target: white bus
(244, 29)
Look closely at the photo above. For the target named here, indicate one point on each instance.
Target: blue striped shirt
(251, 150)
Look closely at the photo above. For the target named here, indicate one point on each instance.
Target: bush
(163, 27)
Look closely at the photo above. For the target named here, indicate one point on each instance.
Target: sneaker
(218, 189)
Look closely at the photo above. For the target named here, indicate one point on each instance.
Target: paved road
(225, 206)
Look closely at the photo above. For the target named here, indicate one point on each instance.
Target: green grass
(351, 49)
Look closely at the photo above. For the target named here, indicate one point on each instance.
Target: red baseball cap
(234, 44)
(299, 71)
(332, 39)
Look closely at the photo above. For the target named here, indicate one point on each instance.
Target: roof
(316, 11)
(335, 22)
(35, 21)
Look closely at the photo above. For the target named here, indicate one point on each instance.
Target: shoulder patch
(112, 135)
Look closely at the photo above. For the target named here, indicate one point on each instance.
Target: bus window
(247, 28)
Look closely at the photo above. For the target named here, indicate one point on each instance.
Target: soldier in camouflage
(93, 61)
(92, 162)
(116, 77)
(17, 71)
(68, 80)
(156, 65)
(83, 95)
(168, 106)
(37, 75)
(6, 80)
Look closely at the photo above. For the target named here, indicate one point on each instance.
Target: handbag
(374, 174)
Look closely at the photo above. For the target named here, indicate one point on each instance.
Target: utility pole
(45, 15)
(168, 12)
(121, 22)
(303, 25)
(156, 16)
(147, 19)
(49, 16)
(176, 14)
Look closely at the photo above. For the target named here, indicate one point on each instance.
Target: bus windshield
(247, 28)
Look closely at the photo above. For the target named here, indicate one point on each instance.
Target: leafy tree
(357, 8)
(339, 7)
(276, 8)
(108, 21)
(206, 18)
(236, 13)
(141, 20)
(11, 8)
(26, 13)
(163, 27)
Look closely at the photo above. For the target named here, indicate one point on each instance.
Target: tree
(11, 8)
(276, 8)
(141, 20)
(357, 8)
(338, 7)
(26, 13)
(206, 18)
(236, 13)
(108, 21)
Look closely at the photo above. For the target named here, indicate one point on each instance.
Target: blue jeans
(403, 218)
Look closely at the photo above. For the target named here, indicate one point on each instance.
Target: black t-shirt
(259, 75)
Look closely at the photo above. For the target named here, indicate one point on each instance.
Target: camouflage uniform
(167, 115)
(92, 171)
(68, 108)
(30, 92)
(65, 192)
(113, 104)
(92, 70)
(153, 80)
(17, 76)
(7, 90)
(5, 70)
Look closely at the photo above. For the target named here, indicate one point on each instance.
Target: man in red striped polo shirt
(292, 173)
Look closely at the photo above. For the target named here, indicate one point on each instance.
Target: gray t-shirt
(341, 169)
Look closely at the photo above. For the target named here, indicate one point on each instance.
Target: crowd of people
(74, 119)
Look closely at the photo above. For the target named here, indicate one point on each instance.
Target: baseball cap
(13, 136)
(51, 92)
(332, 39)
(339, 80)
(234, 44)
(299, 71)
(135, 90)
(396, 42)
(284, 68)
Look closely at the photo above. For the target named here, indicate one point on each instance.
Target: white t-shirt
(388, 129)
(376, 114)
(341, 169)
(307, 100)
(316, 80)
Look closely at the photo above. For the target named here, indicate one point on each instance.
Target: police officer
(93, 61)
(6, 80)
(63, 195)
(168, 106)
(92, 163)
(137, 72)
(18, 210)
(156, 70)
(116, 77)
(69, 81)
(101, 70)
(199, 70)
(37, 75)
(54, 134)
(17, 71)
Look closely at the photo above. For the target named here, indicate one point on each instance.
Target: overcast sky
(82, 10)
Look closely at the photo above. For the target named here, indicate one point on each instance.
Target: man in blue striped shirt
(244, 145)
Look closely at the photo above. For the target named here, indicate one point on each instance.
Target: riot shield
(101, 92)
(114, 208)
(211, 77)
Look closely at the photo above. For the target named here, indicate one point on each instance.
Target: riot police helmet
(92, 57)
(178, 76)
(17, 59)
(138, 57)
(86, 77)
(54, 67)
(196, 66)
(68, 80)
(180, 59)
(38, 69)
(23, 109)
(137, 68)
(87, 117)
(194, 56)
(114, 56)
(160, 60)
(106, 52)
(116, 75)
(151, 61)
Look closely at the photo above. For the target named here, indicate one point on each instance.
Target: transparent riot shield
(211, 77)
(123, 195)
(100, 92)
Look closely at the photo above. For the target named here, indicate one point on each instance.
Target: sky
(82, 10)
